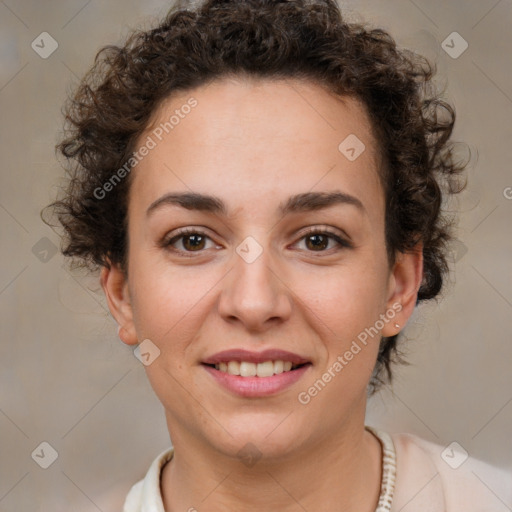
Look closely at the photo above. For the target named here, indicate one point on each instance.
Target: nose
(255, 293)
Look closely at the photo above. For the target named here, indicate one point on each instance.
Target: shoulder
(145, 494)
(133, 499)
(435, 478)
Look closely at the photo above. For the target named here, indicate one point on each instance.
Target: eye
(191, 240)
(317, 240)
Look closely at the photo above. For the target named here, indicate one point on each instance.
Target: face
(280, 249)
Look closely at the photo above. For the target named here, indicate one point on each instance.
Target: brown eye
(317, 241)
(187, 241)
(193, 242)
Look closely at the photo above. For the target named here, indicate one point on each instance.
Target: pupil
(317, 245)
(196, 241)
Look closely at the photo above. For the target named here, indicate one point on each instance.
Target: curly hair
(116, 98)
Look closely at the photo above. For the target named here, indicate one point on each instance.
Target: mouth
(262, 370)
(256, 374)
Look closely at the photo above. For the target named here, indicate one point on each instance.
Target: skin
(254, 143)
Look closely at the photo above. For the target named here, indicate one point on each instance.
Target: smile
(248, 369)
(255, 374)
(254, 385)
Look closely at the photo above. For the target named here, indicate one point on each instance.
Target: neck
(334, 474)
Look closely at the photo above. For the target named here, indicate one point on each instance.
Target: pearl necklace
(387, 486)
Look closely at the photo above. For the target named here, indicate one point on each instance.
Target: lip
(254, 357)
(254, 387)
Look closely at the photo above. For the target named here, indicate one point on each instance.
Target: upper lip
(238, 354)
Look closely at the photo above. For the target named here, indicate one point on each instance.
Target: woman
(260, 184)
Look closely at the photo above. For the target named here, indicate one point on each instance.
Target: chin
(269, 438)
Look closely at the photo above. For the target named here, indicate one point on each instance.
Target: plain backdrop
(67, 380)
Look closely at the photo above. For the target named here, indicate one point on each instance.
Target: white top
(417, 475)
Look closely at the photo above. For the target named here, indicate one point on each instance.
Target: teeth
(246, 369)
(278, 366)
(265, 369)
(233, 368)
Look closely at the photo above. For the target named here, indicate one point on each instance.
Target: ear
(115, 286)
(404, 283)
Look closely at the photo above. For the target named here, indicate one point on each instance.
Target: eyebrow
(308, 201)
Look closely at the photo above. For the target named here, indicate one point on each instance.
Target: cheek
(345, 299)
(342, 309)
(167, 301)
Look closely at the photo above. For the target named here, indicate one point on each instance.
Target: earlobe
(405, 281)
(115, 286)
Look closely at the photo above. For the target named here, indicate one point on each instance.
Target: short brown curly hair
(268, 39)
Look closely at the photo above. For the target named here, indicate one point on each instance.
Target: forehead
(262, 137)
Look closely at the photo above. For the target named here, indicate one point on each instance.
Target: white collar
(146, 495)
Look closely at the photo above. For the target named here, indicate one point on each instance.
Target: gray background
(66, 379)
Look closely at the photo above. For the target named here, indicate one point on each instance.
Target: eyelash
(168, 242)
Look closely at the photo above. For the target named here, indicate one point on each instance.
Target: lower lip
(257, 386)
